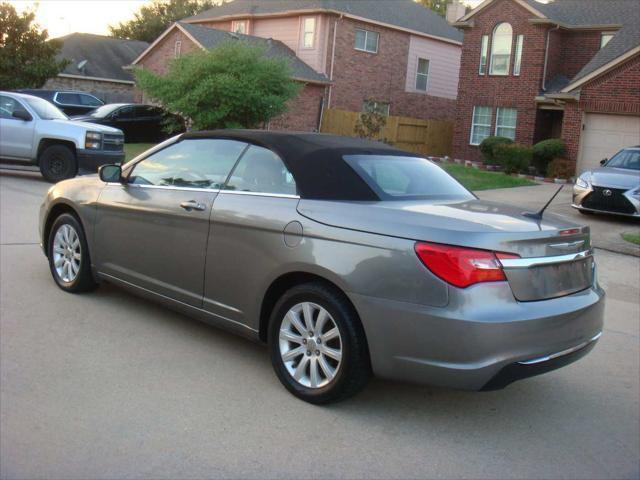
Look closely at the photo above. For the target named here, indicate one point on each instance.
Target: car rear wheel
(57, 163)
(69, 255)
(317, 344)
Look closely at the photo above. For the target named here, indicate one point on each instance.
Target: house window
(518, 60)
(367, 41)
(506, 119)
(239, 26)
(422, 74)
(308, 32)
(484, 50)
(480, 124)
(501, 49)
(177, 48)
(605, 38)
(374, 106)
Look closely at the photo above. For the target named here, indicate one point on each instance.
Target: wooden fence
(426, 137)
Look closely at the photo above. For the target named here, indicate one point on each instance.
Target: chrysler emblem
(606, 192)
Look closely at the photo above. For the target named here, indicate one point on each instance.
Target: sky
(61, 17)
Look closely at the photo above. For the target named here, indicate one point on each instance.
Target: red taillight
(461, 266)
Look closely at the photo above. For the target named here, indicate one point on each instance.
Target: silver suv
(33, 131)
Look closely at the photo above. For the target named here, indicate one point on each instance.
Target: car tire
(334, 368)
(68, 254)
(57, 163)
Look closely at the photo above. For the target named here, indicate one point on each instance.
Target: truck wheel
(57, 163)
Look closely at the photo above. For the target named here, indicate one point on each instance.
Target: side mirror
(110, 173)
(22, 115)
(603, 161)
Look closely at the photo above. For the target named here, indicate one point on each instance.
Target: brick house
(96, 66)
(392, 55)
(566, 69)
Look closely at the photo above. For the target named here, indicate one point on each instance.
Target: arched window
(501, 49)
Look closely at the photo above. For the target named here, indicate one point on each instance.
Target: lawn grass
(632, 237)
(132, 150)
(475, 179)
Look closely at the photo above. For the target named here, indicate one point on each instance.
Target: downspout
(333, 56)
(546, 58)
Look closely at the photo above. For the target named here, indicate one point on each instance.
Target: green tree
(27, 58)
(153, 19)
(231, 86)
(438, 6)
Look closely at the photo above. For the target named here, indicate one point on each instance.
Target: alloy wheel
(310, 345)
(67, 253)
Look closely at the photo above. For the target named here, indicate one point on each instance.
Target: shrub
(513, 158)
(546, 151)
(561, 168)
(235, 85)
(488, 148)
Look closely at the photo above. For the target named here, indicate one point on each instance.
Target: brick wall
(616, 92)
(577, 48)
(109, 92)
(358, 76)
(499, 91)
(158, 59)
(303, 112)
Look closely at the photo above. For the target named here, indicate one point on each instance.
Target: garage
(604, 135)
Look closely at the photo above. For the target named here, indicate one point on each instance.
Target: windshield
(104, 110)
(629, 159)
(406, 178)
(45, 110)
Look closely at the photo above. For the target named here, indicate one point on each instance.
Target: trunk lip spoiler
(539, 261)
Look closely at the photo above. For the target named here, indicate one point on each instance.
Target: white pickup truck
(33, 131)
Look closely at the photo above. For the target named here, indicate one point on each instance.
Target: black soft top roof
(315, 160)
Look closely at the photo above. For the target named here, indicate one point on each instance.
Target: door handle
(193, 205)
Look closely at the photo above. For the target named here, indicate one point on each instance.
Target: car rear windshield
(45, 110)
(406, 178)
(629, 159)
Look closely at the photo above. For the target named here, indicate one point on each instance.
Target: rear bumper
(538, 366)
(481, 333)
(91, 160)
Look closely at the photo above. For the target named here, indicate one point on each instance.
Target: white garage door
(604, 135)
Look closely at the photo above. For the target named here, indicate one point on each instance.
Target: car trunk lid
(551, 248)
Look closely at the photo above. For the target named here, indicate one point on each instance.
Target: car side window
(68, 98)
(191, 163)
(8, 105)
(124, 113)
(261, 171)
(89, 100)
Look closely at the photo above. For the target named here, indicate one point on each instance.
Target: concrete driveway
(105, 385)
(606, 230)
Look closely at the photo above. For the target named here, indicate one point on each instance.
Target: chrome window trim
(562, 353)
(195, 189)
(55, 99)
(261, 194)
(539, 261)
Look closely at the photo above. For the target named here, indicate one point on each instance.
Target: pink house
(392, 55)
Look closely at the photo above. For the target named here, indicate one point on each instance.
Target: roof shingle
(105, 56)
(405, 14)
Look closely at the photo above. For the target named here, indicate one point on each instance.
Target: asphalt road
(105, 385)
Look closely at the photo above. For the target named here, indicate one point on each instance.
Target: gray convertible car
(347, 257)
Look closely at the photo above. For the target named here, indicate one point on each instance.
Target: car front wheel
(69, 255)
(57, 163)
(317, 344)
